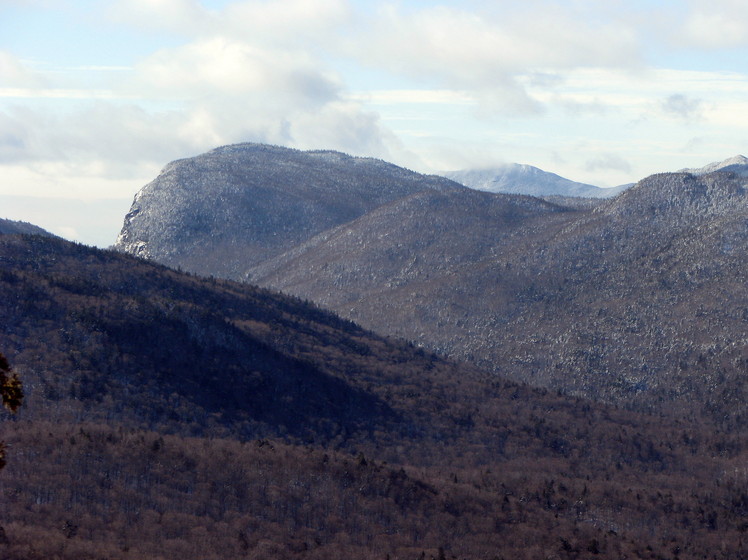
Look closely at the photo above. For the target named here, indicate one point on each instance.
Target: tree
(11, 391)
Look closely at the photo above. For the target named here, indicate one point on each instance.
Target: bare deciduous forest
(170, 416)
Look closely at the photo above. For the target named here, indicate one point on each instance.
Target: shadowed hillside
(170, 416)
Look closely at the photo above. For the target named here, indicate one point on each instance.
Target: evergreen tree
(12, 395)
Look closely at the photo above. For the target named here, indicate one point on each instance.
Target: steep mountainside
(515, 178)
(101, 336)
(98, 335)
(220, 212)
(640, 300)
(173, 417)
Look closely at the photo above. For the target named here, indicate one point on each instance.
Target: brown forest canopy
(169, 416)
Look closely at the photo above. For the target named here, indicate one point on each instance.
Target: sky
(97, 96)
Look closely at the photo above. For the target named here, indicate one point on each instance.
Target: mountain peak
(237, 205)
(517, 178)
(736, 160)
(738, 163)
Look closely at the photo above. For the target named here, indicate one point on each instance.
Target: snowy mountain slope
(516, 178)
(736, 164)
(594, 302)
(594, 298)
(220, 212)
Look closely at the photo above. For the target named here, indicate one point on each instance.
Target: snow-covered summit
(515, 178)
(737, 164)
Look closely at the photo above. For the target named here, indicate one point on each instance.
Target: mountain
(639, 300)
(407, 250)
(171, 416)
(514, 178)
(99, 335)
(593, 299)
(736, 164)
(92, 221)
(220, 212)
(11, 227)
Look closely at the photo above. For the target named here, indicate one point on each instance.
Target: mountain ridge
(547, 293)
(17, 227)
(515, 178)
(737, 164)
(245, 202)
(173, 416)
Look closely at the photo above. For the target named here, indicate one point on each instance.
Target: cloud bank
(599, 92)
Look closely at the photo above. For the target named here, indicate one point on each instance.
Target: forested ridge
(172, 416)
(639, 300)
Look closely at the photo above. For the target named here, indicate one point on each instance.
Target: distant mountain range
(515, 178)
(736, 164)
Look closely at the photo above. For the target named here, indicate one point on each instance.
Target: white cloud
(414, 96)
(177, 16)
(262, 22)
(486, 53)
(60, 93)
(559, 84)
(216, 90)
(683, 107)
(65, 180)
(608, 161)
(286, 22)
(716, 24)
(114, 137)
(15, 74)
(345, 127)
(224, 67)
(233, 91)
